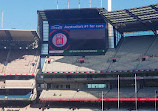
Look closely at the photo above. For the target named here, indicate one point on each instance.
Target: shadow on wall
(7, 56)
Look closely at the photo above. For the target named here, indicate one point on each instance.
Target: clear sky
(22, 14)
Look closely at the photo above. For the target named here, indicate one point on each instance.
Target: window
(45, 22)
(97, 86)
(41, 77)
(68, 86)
(45, 30)
(139, 33)
(44, 49)
(61, 86)
(118, 37)
(57, 86)
(42, 62)
(38, 85)
(42, 85)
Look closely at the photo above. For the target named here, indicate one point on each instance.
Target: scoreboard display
(77, 39)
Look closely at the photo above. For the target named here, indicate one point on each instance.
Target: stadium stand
(153, 49)
(3, 56)
(22, 61)
(71, 94)
(151, 56)
(130, 51)
(83, 79)
(19, 60)
(147, 92)
(19, 84)
(62, 95)
(71, 64)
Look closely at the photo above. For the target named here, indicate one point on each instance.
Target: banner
(77, 26)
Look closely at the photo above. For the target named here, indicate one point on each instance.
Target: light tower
(2, 21)
(68, 4)
(109, 5)
(57, 4)
(90, 2)
(79, 5)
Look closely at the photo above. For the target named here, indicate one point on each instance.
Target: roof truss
(141, 18)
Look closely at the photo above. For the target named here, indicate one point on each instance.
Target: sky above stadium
(22, 14)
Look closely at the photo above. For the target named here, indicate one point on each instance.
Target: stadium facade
(69, 58)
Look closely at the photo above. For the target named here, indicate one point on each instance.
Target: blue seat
(20, 96)
(2, 96)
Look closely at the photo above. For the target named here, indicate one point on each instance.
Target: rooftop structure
(18, 39)
(135, 19)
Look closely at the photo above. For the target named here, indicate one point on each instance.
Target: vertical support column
(102, 101)
(115, 37)
(136, 91)
(118, 93)
(110, 28)
(45, 85)
(155, 100)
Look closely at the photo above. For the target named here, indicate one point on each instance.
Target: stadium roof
(135, 19)
(18, 35)
(71, 16)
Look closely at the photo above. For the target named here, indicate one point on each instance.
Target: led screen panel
(77, 39)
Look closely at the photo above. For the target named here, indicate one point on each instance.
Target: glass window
(41, 77)
(139, 33)
(96, 85)
(45, 36)
(42, 61)
(61, 86)
(118, 37)
(68, 86)
(45, 30)
(89, 85)
(44, 49)
(45, 22)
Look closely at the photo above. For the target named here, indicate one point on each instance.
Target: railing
(95, 79)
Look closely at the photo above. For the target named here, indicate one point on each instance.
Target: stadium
(85, 59)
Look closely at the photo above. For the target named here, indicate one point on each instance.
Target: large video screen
(77, 39)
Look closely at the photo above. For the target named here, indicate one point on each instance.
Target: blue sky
(22, 14)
